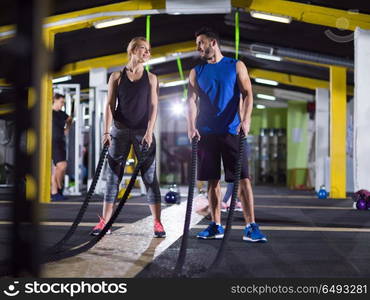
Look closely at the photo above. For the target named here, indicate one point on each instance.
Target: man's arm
(69, 121)
(245, 88)
(192, 106)
(153, 110)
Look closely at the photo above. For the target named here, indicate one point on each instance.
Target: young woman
(130, 116)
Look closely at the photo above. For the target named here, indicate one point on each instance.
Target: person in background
(61, 125)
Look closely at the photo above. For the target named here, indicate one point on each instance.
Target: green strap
(147, 67)
(182, 77)
(237, 34)
(148, 28)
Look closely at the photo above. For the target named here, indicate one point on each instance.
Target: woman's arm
(110, 105)
(153, 110)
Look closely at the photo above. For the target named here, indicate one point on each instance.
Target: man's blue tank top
(219, 97)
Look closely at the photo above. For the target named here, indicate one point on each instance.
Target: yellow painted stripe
(166, 205)
(83, 224)
(298, 228)
(94, 203)
(303, 207)
(284, 196)
(338, 129)
(3, 82)
(91, 203)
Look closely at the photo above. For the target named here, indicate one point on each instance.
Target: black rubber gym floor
(307, 237)
(297, 245)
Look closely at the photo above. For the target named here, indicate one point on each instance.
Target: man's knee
(213, 184)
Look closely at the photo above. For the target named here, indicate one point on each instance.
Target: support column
(322, 139)
(361, 117)
(32, 60)
(46, 126)
(98, 93)
(338, 107)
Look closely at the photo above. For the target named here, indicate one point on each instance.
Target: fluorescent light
(271, 17)
(173, 83)
(260, 106)
(266, 81)
(112, 22)
(62, 79)
(177, 108)
(269, 57)
(266, 97)
(156, 60)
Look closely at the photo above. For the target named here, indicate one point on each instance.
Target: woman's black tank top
(133, 99)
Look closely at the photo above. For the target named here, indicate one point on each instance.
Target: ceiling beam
(86, 17)
(283, 78)
(313, 14)
(3, 82)
(308, 13)
(294, 80)
(115, 60)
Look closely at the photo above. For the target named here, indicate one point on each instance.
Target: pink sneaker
(238, 206)
(224, 206)
(99, 227)
(158, 230)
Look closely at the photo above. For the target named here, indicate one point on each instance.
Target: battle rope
(57, 246)
(184, 242)
(5, 265)
(229, 221)
(95, 240)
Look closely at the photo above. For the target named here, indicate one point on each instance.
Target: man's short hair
(210, 33)
(58, 96)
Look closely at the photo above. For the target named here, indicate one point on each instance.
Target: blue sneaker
(253, 234)
(57, 197)
(213, 231)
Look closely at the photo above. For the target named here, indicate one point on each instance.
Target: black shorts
(213, 147)
(59, 151)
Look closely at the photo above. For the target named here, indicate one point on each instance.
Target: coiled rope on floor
(57, 246)
(75, 251)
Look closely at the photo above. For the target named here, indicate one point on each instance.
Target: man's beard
(207, 54)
